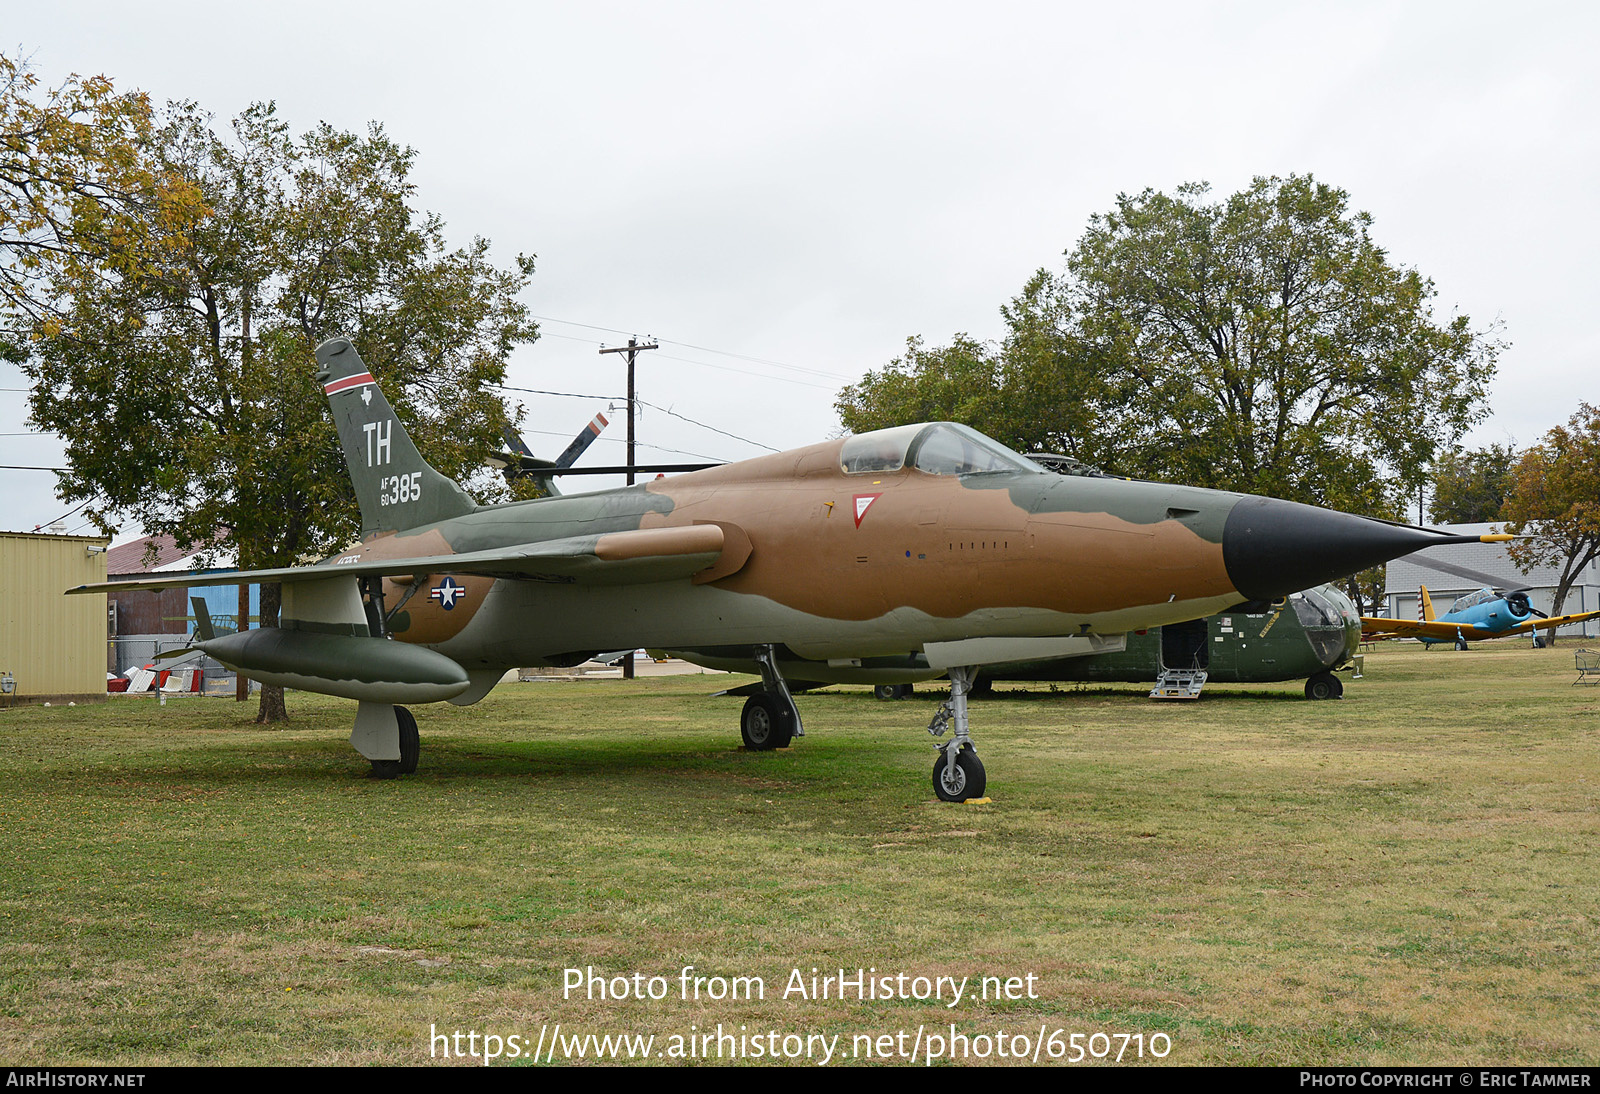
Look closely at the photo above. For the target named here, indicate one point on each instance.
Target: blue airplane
(1487, 613)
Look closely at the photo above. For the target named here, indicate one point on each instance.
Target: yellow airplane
(1486, 613)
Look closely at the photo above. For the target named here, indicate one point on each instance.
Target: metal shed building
(53, 646)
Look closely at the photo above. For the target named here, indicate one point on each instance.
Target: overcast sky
(784, 194)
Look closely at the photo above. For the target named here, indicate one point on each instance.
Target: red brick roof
(130, 557)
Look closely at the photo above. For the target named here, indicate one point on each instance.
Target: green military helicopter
(1308, 635)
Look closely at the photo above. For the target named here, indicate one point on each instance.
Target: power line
(641, 444)
(758, 360)
(572, 338)
(702, 364)
(747, 372)
(574, 323)
(702, 349)
(563, 394)
(703, 425)
(65, 515)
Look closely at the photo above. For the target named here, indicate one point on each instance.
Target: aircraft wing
(1551, 621)
(1382, 627)
(615, 558)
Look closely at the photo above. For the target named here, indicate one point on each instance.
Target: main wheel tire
(1324, 685)
(385, 769)
(765, 723)
(410, 741)
(891, 691)
(1461, 643)
(967, 781)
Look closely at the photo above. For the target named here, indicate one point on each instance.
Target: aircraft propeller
(1440, 566)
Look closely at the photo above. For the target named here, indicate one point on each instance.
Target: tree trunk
(272, 708)
(1569, 577)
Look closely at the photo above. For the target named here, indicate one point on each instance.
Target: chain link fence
(136, 651)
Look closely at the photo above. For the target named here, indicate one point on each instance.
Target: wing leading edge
(616, 558)
(1381, 627)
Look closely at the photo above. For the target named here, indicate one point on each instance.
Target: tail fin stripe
(347, 383)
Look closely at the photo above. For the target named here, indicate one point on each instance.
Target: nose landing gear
(958, 774)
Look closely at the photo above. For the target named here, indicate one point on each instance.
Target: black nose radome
(1272, 548)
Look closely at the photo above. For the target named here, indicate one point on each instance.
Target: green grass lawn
(1406, 876)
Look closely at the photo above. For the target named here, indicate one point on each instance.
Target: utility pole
(632, 349)
(241, 684)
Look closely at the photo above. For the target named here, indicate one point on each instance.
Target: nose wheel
(958, 773)
(963, 779)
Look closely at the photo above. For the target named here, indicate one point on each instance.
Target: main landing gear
(387, 736)
(770, 719)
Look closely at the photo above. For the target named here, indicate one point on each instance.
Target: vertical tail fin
(396, 487)
(1424, 605)
(202, 619)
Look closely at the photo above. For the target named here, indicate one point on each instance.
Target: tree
(1470, 487)
(1262, 344)
(1365, 589)
(1039, 391)
(1555, 498)
(183, 384)
(75, 191)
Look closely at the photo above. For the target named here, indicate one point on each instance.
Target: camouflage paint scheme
(883, 545)
(933, 558)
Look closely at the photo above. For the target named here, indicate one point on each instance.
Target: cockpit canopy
(1472, 600)
(938, 448)
(1320, 608)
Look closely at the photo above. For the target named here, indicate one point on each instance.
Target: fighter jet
(929, 540)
